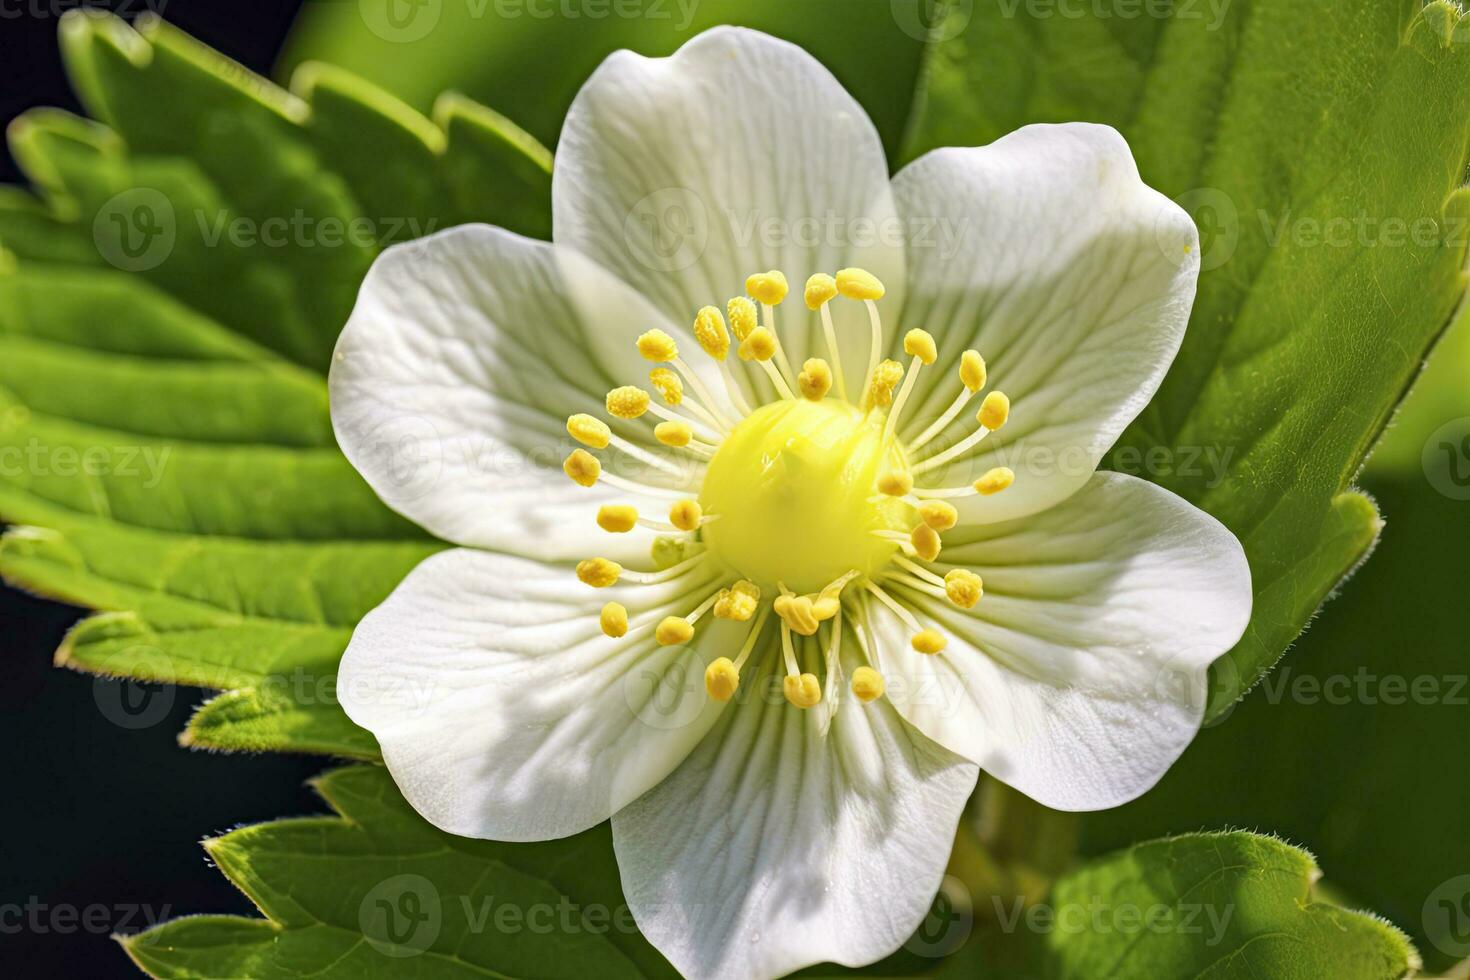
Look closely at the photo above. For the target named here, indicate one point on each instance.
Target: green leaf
(169, 300)
(388, 895)
(531, 56)
(1321, 145)
(1206, 905)
(1372, 703)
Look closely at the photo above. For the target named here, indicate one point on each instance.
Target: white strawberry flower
(818, 589)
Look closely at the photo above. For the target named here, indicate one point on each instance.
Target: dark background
(100, 804)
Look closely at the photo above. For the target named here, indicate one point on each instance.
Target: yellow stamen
(667, 384)
(742, 316)
(972, 371)
(589, 431)
(627, 402)
(804, 690)
(758, 345)
(938, 514)
(994, 481)
(599, 572)
(994, 410)
(920, 343)
(964, 588)
(673, 630)
(896, 483)
(929, 641)
(721, 679)
(859, 284)
(925, 541)
(885, 378)
(815, 379)
(739, 602)
(676, 434)
(582, 467)
(709, 330)
(685, 515)
(820, 288)
(655, 345)
(769, 288)
(797, 613)
(972, 379)
(867, 684)
(614, 619)
(617, 518)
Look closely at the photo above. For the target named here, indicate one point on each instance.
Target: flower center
(793, 484)
(811, 500)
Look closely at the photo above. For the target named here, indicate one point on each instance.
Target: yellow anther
(769, 288)
(674, 434)
(667, 551)
(668, 385)
(939, 514)
(859, 284)
(920, 343)
(614, 619)
(582, 467)
(759, 345)
(589, 431)
(928, 641)
(804, 691)
(796, 612)
(885, 379)
(963, 587)
(994, 410)
(685, 514)
(721, 679)
(815, 379)
(867, 684)
(996, 480)
(627, 402)
(655, 345)
(673, 630)
(709, 330)
(741, 312)
(739, 602)
(599, 572)
(820, 288)
(617, 518)
(925, 541)
(972, 370)
(896, 483)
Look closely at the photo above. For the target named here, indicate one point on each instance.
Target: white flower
(666, 689)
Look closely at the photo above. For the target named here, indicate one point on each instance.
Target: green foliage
(1321, 146)
(387, 895)
(1215, 905)
(168, 306)
(498, 50)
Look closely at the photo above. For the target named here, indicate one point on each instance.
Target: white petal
(772, 847)
(738, 154)
(454, 377)
(1080, 676)
(504, 712)
(1071, 277)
